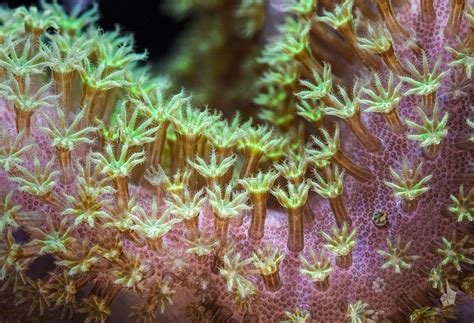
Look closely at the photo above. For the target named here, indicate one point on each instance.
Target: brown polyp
(221, 227)
(192, 225)
(295, 242)
(408, 206)
(258, 216)
(344, 262)
(392, 61)
(386, 11)
(455, 17)
(250, 163)
(323, 284)
(272, 281)
(63, 84)
(358, 128)
(339, 211)
(393, 119)
(64, 157)
(430, 152)
(157, 145)
(428, 13)
(121, 185)
(358, 172)
(429, 101)
(22, 120)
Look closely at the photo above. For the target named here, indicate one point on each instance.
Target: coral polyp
(341, 190)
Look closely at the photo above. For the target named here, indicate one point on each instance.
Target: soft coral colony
(116, 185)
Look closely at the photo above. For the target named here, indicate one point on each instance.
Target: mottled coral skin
(425, 226)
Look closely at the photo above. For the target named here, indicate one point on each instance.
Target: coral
(63, 291)
(330, 151)
(234, 272)
(162, 293)
(36, 294)
(408, 184)
(430, 133)
(385, 101)
(177, 184)
(12, 216)
(255, 142)
(55, 240)
(298, 316)
(96, 308)
(152, 227)
(317, 269)
(81, 261)
(36, 21)
(187, 208)
(113, 172)
(159, 111)
(12, 254)
(12, 150)
(202, 246)
(294, 45)
(64, 56)
(467, 285)
(40, 181)
(463, 58)
(425, 313)
(225, 135)
(190, 123)
(293, 170)
(310, 112)
(293, 201)
(357, 312)
(20, 64)
(226, 204)
(454, 252)
(380, 42)
(396, 257)
(258, 187)
(130, 271)
(321, 88)
(132, 131)
(462, 206)
(424, 82)
(440, 277)
(341, 243)
(331, 188)
(74, 21)
(214, 171)
(64, 136)
(197, 312)
(348, 109)
(96, 83)
(251, 13)
(119, 168)
(25, 100)
(267, 262)
(145, 312)
(87, 206)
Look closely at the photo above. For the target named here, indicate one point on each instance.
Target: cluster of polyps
(152, 172)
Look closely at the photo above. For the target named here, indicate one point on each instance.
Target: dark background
(153, 29)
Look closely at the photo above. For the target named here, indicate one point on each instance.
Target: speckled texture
(424, 227)
(365, 280)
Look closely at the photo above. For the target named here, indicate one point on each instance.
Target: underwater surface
(265, 161)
